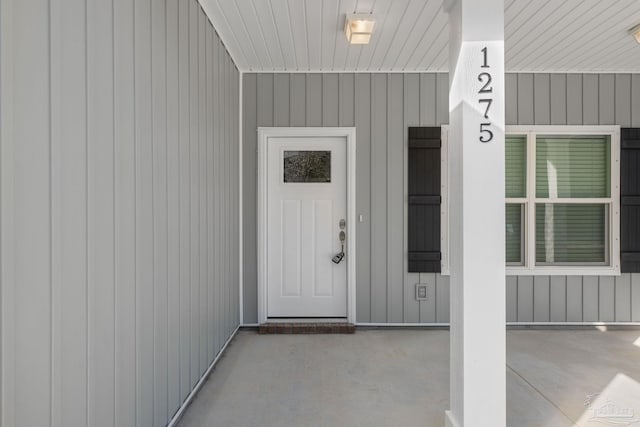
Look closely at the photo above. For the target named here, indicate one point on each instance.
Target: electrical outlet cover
(421, 292)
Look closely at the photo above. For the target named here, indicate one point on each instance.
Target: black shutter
(630, 200)
(424, 199)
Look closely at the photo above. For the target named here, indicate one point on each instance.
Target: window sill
(563, 271)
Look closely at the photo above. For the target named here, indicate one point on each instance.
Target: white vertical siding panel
(512, 298)
(185, 197)
(281, 112)
(7, 282)
(109, 126)
(173, 209)
(635, 100)
(541, 99)
(202, 193)
(635, 297)
(574, 299)
(194, 184)
(428, 99)
(378, 218)
(219, 188)
(606, 99)
(100, 154)
(525, 298)
(249, 194)
(125, 380)
(558, 299)
(574, 99)
(395, 199)
(363, 195)
(32, 256)
(442, 298)
(329, 99)
(590, 101)
(558, 99)
(411, 117)
(623, 100)
(210, 323)
(623, 297)
(541, 299)
(69, 163)
(314, 100)
(228, 172)
(144, 214)
(525, 98)
(511, 98)
(590, 298)
(606, 299)
(159, 194)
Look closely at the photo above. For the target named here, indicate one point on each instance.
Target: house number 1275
(486, 100)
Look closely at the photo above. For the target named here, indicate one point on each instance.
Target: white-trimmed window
(562, 200)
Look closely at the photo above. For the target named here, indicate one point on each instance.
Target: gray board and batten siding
(382, 106)
(119, 203)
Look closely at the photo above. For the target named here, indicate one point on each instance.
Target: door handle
(340, 256)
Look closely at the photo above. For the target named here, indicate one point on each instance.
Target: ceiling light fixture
(635, 32)
(358, 28)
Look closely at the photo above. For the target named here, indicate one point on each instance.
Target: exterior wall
(381, 107)
(118, 208)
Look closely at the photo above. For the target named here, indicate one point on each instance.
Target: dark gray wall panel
(381, 106)
(635, 297)
(574, 299)
(411, 115)
(428, 307)
(606, 99)
(558, 299)
(541, 99)
(622, 301)
(330, 103)
(606, 299)
(525, 99)
(395, 199)
(512, 298)
(363, 197)
(590, 104)
(558, 99)
(378, 222)
(281, 114)
(590, 298)
(635, 100)
(525, 299)
(511, 99)
(541, 301)
(574, 99)
(623, 100)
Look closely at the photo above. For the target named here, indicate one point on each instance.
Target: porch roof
(412, 35)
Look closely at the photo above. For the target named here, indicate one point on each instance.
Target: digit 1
(484, 55)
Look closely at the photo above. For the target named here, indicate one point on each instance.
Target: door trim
(264, 133)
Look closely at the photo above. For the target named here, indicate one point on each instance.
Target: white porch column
(477, 219)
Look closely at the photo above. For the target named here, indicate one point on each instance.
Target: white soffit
(411, 35)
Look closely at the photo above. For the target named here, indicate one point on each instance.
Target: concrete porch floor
(555, 378)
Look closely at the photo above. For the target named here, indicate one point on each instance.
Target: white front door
(306, 211)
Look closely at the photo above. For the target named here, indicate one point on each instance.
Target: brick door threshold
(306, 328)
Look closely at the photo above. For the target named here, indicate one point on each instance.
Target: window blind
(573, 166)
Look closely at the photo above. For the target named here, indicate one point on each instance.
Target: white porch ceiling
(411, 35)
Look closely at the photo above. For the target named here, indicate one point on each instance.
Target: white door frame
(264, 133)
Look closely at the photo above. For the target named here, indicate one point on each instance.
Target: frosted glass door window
(307, 166)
